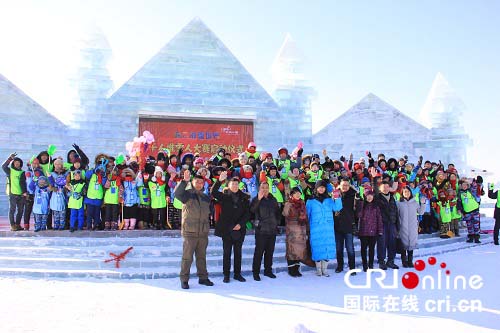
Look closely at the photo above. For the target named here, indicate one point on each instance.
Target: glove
(369, 154)
(342, 158)
(405, 157)
(75, 146)
(299, 153)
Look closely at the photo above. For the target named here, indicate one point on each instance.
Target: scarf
(300, 208)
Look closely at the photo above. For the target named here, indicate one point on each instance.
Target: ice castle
(196, 79)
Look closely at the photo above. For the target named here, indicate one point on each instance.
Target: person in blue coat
(320, 210)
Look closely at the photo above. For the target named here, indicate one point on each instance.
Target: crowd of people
(320, 203)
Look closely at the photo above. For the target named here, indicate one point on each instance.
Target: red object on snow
(118, 257)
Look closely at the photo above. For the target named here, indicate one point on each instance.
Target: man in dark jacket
(492, 194)
(16, 188)
(195, 227)
(235, 212)
(344, 222)
(267, 216)
(386, 244)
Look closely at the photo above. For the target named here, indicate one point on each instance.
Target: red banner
(203, 137)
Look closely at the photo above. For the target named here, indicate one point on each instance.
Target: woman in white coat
(408, 210)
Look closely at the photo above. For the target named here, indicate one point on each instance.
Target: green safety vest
(112, 194)
(158, 196)
(393, 174)
(15, 181)
(296, 183)
(72, 175)
(255, 155)
(498, 200)
(47, 168)
(73, 202)
(144, 196)
(275, 190)
(361, 192)
(315, 176)
(445, 212)
(454, 211)
(95, 190)
(468, 202)
(283, 164)
(397, 196)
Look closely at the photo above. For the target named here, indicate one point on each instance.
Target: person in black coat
(344, 222)
(492, 194)
(386, 244)
(267, 216)
(235, 212)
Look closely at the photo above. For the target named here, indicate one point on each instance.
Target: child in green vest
(157, 186)
(112, 196)
(443, 209)
(456, 217)
(16, 189)
(468, 205)
(75, 189)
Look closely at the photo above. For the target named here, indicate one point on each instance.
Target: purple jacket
(370, 219)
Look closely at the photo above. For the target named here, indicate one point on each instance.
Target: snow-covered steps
(156, 254)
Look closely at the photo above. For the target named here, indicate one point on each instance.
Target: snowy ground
(307, 304)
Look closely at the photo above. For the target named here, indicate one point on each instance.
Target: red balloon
(432, 260)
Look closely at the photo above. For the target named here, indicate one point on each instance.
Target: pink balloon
(146, 133)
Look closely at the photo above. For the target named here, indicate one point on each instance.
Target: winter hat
(282, 150)
(224, 160)
(368, 192)
(315, 163)
(365, 180)
(199, 160)
(333, 177)
(42, 182)
(158, 169)
(251, 144)
(272, 167)
(320, 183)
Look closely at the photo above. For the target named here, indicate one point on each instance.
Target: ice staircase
(155, 254)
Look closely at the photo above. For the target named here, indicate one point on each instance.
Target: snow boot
(132, 224)
(404, 260)
(291, 268)
(324, 267)
(392, 265)
(297, 270)
(382, 265)
(107, 226)
(476, 239)
(470, 238)
(318, 268)
(410, 258)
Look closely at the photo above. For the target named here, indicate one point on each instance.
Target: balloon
(146, 133)
(129, 145)
(51, 150)
(142, 139)
(136, 139)
(120, 159)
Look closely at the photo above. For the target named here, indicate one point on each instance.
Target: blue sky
(390, 48)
